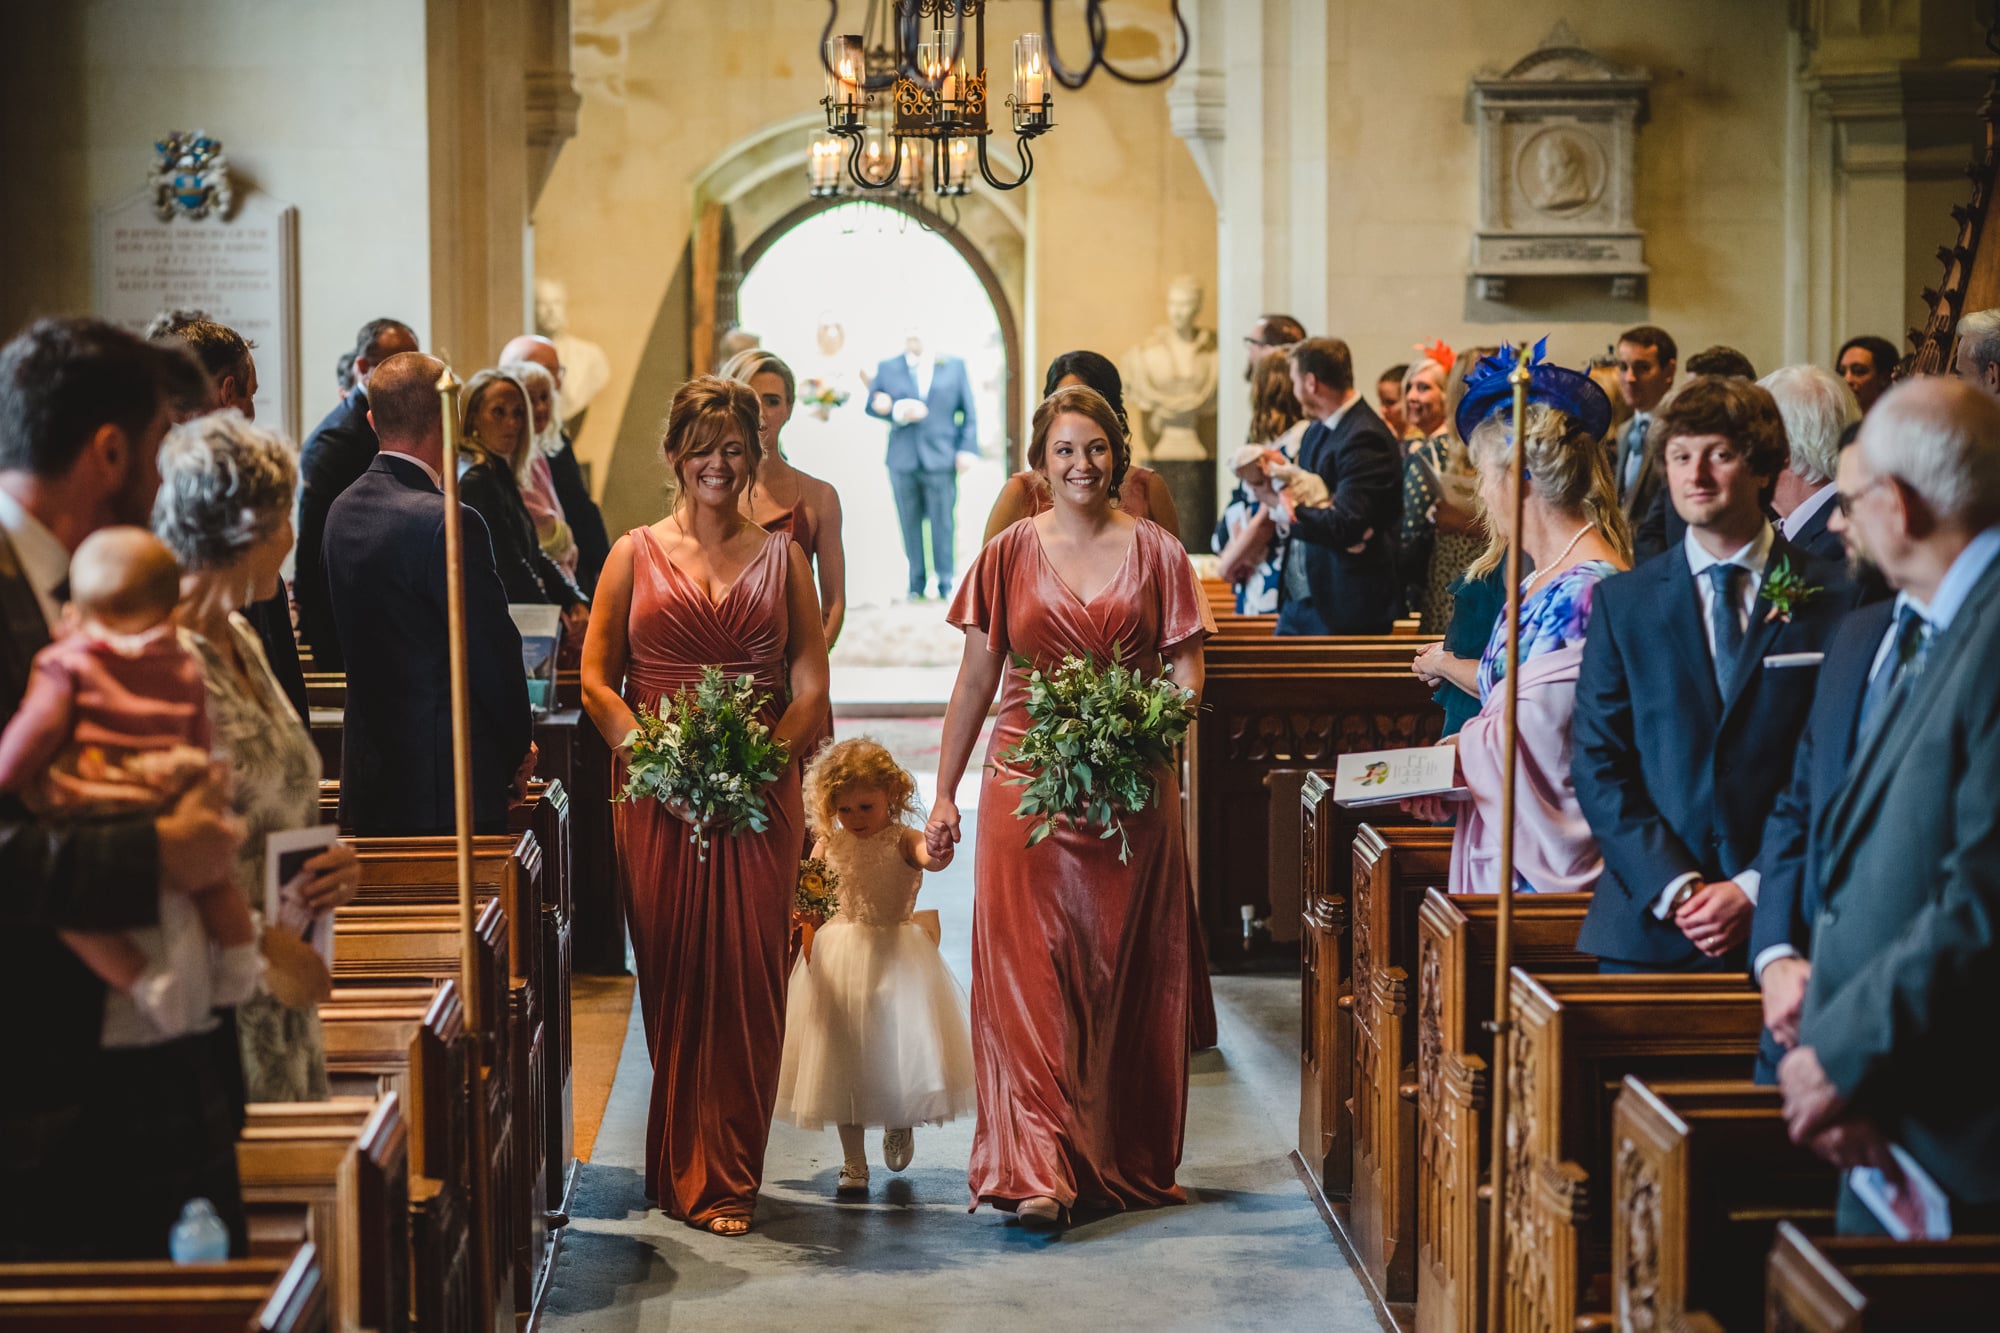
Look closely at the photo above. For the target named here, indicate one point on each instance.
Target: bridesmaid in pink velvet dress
(707, 587)
(1080, 963)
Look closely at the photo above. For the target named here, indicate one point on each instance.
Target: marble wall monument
(189, 242)
(1556, 148)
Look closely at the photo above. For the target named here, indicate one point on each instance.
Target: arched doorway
(833, 287)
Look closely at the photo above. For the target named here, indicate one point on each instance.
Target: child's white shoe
(853, 1178)
(898, 1147)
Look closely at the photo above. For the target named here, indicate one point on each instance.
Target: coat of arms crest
(191, 177)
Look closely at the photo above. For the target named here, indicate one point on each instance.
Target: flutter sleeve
(981, 601)
(1184, 612)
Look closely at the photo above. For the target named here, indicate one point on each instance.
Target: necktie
(1728, 630)
(1635, 453)
(1904, 660)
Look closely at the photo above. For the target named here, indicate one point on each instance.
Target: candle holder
(1032, 105)
(845, 66)
(825, 161)
(955, 174)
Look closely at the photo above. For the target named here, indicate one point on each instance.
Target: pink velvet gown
(1080, 964)
(799, 524)
(709, 936)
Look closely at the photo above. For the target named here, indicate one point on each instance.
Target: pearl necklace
(1555, 563)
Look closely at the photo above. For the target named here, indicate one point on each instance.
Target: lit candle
(843, 78)
(1031, 73)
(911, 179)
(875, 156)
(957, 163)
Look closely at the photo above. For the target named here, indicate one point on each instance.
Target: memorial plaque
(242, 271)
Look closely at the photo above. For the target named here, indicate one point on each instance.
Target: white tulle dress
(875, 1026)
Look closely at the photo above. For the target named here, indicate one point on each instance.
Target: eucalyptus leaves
(704, 753)
(1096, 739)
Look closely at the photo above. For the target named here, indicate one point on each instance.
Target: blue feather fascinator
(1569, 391)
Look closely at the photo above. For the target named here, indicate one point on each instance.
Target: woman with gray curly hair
(225, 510)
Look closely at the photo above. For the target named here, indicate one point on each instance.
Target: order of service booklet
(285, 855)
(1379, 777)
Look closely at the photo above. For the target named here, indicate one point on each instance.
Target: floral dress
(1258, 594)
(1433, 560)
(1553, 618)
(277, 771)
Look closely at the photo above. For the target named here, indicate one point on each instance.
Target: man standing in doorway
(933, 436)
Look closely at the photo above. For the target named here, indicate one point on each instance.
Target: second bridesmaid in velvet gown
(1081, 1003)
(784, 499)
(707, 587)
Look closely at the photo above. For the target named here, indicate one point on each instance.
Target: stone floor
(1247, 1252)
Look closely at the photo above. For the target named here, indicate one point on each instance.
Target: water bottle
(199, 1237)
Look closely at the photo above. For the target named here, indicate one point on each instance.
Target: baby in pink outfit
(114, 722)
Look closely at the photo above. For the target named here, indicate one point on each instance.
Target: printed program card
(1380, 777)
(285, 855)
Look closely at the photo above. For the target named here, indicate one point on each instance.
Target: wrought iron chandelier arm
(1094, 21)
(1099, 34)
(860, 178)
(1027, 166)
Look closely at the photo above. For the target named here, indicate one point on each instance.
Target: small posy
(818, 896)
(1786, 590)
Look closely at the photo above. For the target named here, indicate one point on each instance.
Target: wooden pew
(1283, 704)
(346, 1163)
(1326, 870)
(1701, 1175)
(1575, 1037)
(445, 1250)
(1455, 959)
(1393, 869)
(265, 1294)
(410, 943)
(1855, 1284)
(368, 1031)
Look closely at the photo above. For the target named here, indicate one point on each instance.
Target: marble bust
(1170, 383)
(586, 370)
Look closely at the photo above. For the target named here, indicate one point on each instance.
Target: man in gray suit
(933, 436)
(1894, 1041)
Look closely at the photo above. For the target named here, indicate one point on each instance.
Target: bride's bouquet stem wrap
(704, 753)
(1097, 738)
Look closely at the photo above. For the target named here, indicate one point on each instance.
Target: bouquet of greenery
(704, 753)
(820, 396)
(818, 895)
(1096, 739)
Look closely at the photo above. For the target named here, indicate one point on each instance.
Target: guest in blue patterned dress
(1572, 529)
(1246, 535)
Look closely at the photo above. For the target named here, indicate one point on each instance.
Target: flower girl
(875, 1028)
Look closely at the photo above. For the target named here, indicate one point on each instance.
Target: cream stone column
(1253, 103)
(1880, 125)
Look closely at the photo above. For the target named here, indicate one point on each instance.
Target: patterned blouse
(1258, 594)
(277, 772)
(1554, 618)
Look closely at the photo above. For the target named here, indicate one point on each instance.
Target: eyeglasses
(1847, 502)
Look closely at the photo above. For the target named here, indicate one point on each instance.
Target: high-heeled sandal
(728, 1226)
(1040, 1213)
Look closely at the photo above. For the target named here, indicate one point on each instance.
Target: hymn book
(1383, 777)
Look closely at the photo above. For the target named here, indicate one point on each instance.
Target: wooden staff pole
(1503, 1017)
(461, 707)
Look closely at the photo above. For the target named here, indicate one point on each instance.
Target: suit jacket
(1904, 966)
(951, 429)
(386, 572)
(1790, 898)
(586, 523)
(272, 619)
(526, 571)
(1673, 777)
(1362, 466)
(335, 455)
(88, 875)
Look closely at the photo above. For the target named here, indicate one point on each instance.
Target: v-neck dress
(709, 935)
(1081, 968)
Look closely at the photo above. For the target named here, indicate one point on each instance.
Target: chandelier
(907, 98)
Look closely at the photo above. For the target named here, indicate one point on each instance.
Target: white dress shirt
(44, 559)
(1794, 523)
(1752, 557)
(920, 373)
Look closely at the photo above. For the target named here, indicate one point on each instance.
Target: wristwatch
(1682, 894)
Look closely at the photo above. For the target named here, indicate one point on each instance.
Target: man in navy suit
(335, 455)
(1340, 564)
(933, 436)
(1697, 677)
(385, 571)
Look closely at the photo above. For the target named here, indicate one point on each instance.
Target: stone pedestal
(1192, 484)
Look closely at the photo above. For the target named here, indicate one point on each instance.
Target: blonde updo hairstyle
(846, 765)
(704, 408)
(1083, 401)
(1567, 468)
(752, 362)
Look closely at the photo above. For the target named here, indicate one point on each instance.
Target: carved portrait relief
(1560, 171)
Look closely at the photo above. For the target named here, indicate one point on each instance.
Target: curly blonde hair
(860, 762)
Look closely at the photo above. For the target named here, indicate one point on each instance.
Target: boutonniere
(1786, 590)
